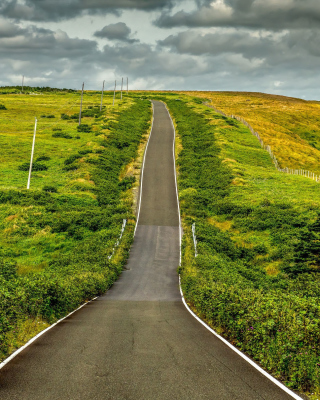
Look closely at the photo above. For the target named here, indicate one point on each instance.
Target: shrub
(3, 107)
(43, 158)
(84, 128)
(50, 189)
(36, 166)
(62, 135)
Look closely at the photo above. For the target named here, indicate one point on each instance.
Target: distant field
(290, 126)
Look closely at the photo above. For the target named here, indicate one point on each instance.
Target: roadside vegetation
(56, 239)
(256, 277)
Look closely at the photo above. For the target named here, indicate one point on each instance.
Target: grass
(290, 126)
(255, 279)
(56, 237)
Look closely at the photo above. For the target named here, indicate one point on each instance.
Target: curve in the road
(138, 341)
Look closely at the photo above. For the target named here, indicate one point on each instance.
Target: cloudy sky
(270, 46)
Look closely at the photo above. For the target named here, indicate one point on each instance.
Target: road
(138, 341)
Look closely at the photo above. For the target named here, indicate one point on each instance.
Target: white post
(22, 84)
(121, 87)
(127, 85)
(114, 93)
(32, 152)
(102, 95)
(81, 104)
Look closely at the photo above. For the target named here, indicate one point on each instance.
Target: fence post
(194, 239)
(32, 152)
(102, 96)
(114, 93)
(81, 104)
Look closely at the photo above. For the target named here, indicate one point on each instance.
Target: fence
(302, 172)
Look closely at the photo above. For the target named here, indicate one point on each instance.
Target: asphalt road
(138, 341)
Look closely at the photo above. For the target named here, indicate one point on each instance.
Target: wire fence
(301, 172)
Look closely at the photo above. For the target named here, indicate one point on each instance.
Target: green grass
(56, 237)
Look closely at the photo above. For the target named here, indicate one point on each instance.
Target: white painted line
(176, 182)
(142, 171)
(40, 334)
(256, 366)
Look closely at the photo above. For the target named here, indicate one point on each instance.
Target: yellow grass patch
(224, 226)
(279, 120)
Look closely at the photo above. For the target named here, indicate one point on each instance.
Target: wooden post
(81, 104)
(114, 93)
(32, 152)
(102, 96)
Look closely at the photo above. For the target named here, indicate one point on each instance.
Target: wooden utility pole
(22, 84)
(114, 93)
(102, 95)
(32, 152)
(81, 104)
(127, 85)
(121, 88)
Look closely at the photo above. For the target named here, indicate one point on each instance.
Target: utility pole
(114, 93)
(102, 95)
(32, 152)
(127, 85)
(22, 84)
(121, 87)
(81, 104)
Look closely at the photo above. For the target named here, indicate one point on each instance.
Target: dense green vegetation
(57, 236)
(256, 277)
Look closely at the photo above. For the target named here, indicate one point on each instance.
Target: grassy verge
(57, 237)
(255, 279)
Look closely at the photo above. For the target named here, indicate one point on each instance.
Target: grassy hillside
(256, 277)
(290, 126)
(57, 237)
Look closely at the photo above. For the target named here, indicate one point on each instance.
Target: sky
(270, 46)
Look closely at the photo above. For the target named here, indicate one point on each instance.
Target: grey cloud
(56, 10)
(253, 14)
(119, 31)
(7, 29)
(296, 48)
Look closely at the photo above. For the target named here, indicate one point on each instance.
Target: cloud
(57, 10)
(292, 50)
(8, 29)
(253, 14)
(52, 58)
(119, 31)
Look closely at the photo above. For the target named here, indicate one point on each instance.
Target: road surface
(138, 342)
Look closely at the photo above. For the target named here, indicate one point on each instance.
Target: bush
(62, 135)
(43, 158)
(36, 166)
(84, 128)
(50, 189)
(3, 107)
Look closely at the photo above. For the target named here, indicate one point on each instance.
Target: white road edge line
(256, 366)
(13, 355)
(142, 171)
